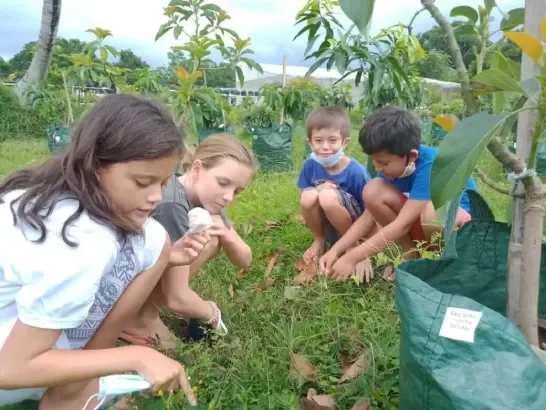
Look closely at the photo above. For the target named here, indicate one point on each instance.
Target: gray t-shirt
(173, 210)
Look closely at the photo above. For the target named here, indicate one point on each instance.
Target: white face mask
(119, 384)
(410, 169)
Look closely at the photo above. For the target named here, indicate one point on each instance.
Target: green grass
(249, 368)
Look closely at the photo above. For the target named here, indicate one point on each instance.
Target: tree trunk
(51, 14)
(528, 213)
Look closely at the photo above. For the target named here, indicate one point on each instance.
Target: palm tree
(51, 14)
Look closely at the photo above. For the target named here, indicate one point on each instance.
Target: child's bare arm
(409, 215)
(27, 360)
(237, 250)
(358, 230)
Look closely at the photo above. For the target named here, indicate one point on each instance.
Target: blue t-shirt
(418, 183)
(351, 180)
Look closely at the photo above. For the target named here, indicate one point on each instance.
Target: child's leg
(337, 205)
(148, 323)
(310, 210)
(74, 396)
(384, 202)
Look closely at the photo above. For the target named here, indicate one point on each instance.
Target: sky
(134, 23)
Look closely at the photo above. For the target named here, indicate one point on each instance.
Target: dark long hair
(119, 128)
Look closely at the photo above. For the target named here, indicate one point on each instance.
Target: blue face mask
(118, 385)
(330, 161)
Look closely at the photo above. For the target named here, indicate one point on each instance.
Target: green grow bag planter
(437, 134)
(206, 132)
(457, 349)
(58, 138)
(273, 147)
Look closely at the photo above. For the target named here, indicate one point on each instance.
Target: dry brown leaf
(267, 240)
(354, 369)
(308, 274)
(230, 290)
(362, 404)
(247, 229)
(301, 366)
(299, 265)
(299, 218)
(315, 401)
(242, 273)
(272, 262)
(270, 225)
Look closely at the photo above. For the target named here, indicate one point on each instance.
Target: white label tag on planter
(460, 324)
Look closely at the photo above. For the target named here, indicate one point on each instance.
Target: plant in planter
(208, 22)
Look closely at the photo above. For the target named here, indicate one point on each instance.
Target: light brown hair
(216, 148)
(329, 118)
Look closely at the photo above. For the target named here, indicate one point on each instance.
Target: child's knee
(329, 199)
(378, 192)
(309, 199)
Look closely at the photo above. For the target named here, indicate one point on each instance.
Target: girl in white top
(79, 256)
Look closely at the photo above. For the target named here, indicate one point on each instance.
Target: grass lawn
(326, 322)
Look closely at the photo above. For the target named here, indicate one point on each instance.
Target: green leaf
(310, 44)
(358, 77)
(465, 11)
(231, 32)
(531, 86)
(466, 30)
(513, 19)
(177, 32)
(359, 11)
(211, 7)
(303, 30)
(112, 50)
(162, 30)
(316, 65)
(498, 62)
(458, 154)
(240, 75)
(489, 4)
(103, 54)
(498, 79)
(341, 59)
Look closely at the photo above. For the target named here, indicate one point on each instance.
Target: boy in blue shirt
(331, 183)
(398, 199)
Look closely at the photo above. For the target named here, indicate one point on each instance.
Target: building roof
(292, 71)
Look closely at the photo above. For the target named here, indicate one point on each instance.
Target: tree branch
(410, 24)
(489, 182)
(499, 151)
(469, 99)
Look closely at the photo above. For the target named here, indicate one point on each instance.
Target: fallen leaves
(247, 229)
(355, 367)
(316, 401)
(269, 225)
(230, 290)
(301, 366)
(362, 404)
(242, 273)
(307, 272)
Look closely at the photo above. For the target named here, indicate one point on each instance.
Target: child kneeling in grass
(331, 182)
(398, 199)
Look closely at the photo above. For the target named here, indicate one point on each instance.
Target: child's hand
(163, 373)
(342, 269)
(364, 270)
(185, 250)
(218, 227)
(327, 261)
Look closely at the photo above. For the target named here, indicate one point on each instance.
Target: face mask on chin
(410, 169)
(330, 161)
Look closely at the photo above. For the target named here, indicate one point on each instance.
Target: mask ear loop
(91, 398)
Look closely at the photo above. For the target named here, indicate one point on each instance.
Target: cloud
(270, 24)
